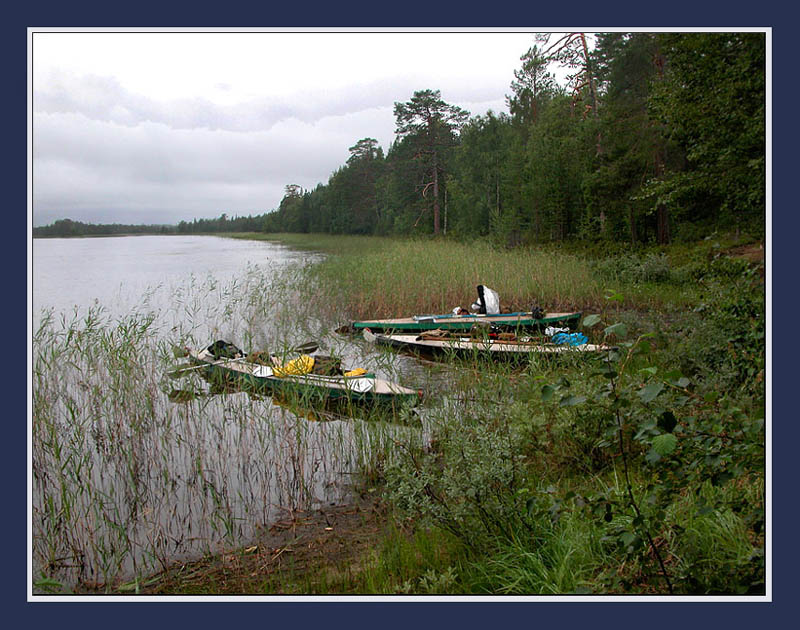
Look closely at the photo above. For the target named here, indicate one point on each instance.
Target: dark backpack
(224, 350)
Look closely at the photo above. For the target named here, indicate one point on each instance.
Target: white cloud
(131, 126)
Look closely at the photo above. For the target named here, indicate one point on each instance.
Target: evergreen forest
(655, 137)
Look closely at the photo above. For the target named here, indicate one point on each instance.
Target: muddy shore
(330, 544)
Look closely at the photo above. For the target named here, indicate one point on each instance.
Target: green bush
(725, 341)
(471, 483)
(635, 269)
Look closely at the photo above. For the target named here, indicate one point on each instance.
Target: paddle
(180, 371)
(306, 348)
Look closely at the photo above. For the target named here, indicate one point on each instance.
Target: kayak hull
(508, 321)
(361, 389)
(485, 348)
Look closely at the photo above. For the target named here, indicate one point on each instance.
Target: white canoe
(462, 345)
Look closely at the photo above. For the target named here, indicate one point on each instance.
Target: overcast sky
(159, 127)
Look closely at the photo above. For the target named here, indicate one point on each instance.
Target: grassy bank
(638, 472)
(383, 277)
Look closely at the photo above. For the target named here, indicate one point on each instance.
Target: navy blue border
(371, 14)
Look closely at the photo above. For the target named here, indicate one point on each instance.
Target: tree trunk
(445, 211)
(497, 194)
(589, 75)
(435, 198)
(662, 227)
(662, 213)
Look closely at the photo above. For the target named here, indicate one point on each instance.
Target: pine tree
(432, 125)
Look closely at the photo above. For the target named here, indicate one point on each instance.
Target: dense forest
(68, 227)
(652, 137)
(655, 136)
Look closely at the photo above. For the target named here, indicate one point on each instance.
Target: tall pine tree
(433, 126)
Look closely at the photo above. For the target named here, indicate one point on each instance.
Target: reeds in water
(126, 482)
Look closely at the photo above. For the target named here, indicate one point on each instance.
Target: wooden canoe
(364, 388)
(467, 346)
(466, 322)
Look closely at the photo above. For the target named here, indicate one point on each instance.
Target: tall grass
(406, 277)
(126, 482)
(369, 276)
(372, 277)
(564, 558)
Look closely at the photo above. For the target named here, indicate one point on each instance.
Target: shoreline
(307, 546)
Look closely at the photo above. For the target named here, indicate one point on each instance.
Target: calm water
(125, 481)
(133, 272)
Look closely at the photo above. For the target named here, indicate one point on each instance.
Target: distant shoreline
(46, 236)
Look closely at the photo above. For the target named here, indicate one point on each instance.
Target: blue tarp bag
(572, 339)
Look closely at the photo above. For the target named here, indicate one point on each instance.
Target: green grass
(371, 277)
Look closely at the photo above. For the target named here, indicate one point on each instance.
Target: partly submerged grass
(124, 480)
(330, 244)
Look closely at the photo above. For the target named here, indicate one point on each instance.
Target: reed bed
(373, 276)
(126, 482)
(415, 276)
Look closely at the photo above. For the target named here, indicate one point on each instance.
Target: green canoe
(465, 322)
(363, 388)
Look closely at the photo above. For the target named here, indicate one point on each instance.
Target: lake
(133, 470)
(138, 272)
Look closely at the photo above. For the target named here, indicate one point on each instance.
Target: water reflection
(142, 273)
(133, 470)
(314, 410)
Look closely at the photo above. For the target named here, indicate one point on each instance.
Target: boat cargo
(499, 346)
(294, 380)
(451, 321)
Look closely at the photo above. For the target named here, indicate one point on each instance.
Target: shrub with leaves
(467, 485)
(724, 340)
(670, 440)
(635, 269)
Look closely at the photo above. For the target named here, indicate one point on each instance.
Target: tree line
(64, 228)
(653, 137)
(68, 227)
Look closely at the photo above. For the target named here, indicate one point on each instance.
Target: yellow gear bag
(296, 367)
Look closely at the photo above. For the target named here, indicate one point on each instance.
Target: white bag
(488, 301)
